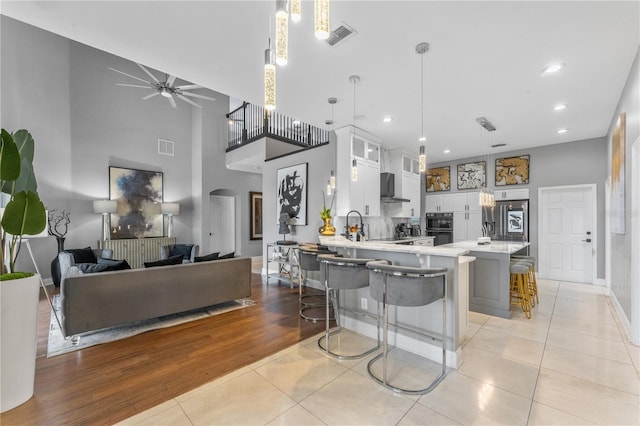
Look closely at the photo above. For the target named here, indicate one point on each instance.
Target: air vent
(498, 145)
(165, 147)
(340, 34)
(486, 124)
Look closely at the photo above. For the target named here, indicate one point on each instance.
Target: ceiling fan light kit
(165, 88)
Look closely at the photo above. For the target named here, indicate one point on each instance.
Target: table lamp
(105, 208)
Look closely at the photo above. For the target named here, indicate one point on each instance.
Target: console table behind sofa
(137, 250)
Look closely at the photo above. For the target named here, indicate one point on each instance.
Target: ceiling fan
(165, 88)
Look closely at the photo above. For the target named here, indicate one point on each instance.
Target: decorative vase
(55, 265)
(327, 229)
(18, 340)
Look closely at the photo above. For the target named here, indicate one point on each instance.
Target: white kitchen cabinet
(512, 194)
(466, 201)
(404, 166)
(467, 225)
(362, 194)
(439, 203)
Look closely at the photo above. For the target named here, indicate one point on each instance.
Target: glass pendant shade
(321, 19)
(269, 81)
(332, 180)
(296, 10)
(282, 33)
(422, 160)
(328, 187)
(354, 170)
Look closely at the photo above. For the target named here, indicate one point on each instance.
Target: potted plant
(325, 214)
(24, 214)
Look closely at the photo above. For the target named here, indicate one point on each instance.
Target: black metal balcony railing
(249, 122)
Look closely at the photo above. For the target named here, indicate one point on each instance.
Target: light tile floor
(569, 364)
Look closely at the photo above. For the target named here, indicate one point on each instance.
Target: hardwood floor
(111, 382)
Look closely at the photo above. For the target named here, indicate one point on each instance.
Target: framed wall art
(617, 175)
(512, 170)
(291, 187)
(255, 215)
(439, 179)
(472, 175)
(139, 196)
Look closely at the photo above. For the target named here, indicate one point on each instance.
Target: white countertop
(340, 241)
(507, 247)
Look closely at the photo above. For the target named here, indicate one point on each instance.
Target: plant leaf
(9, 158)
(24, 214)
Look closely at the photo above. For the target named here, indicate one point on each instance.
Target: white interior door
(567, 233)
(223, 224)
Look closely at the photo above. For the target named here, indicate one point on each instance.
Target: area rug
(58, 345)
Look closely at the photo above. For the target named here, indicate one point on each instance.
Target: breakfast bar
(489, 274)
(457, 263)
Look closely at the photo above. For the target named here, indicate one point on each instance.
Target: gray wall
(571, 163)
(82, 123)
(623, 282)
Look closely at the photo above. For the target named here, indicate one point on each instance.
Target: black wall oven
(440, 226)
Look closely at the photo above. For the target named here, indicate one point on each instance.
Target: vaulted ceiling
(485, 59)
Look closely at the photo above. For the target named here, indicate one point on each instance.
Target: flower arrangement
(326, 212)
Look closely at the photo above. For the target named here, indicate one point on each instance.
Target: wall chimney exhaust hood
(387, 189)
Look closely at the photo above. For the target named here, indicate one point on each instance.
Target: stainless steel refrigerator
(507, 220)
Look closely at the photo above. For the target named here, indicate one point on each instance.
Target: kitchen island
(426, 318)
(489, 274)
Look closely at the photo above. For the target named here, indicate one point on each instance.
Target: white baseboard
(621, 316)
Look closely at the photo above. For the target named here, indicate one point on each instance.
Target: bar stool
(407, 286)
(309, 262)
(519, 293)
(533, 282)
(343, 273)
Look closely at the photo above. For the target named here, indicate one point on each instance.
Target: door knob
(588, 240)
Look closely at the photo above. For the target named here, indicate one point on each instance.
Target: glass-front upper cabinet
(364, 149)
(410, 164)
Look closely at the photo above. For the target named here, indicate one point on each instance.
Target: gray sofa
(105, 299)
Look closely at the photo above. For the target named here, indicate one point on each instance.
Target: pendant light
(269, 80)
(329, 187)
(296, 10)
(321, 18)
(421, 49)
(282, 32)
(354, 163)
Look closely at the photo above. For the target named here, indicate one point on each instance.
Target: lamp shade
(170, 208)
(105, 206)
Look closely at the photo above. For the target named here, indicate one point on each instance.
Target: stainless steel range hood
(387, 189)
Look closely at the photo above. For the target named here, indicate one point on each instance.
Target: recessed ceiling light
(422, 139)
(446, 151)
(563, 130)
(550, 69)
(387, 119)
(559, 107)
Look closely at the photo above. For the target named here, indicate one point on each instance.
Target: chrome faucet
(360, 233)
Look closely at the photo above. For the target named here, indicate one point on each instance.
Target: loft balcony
(256, 136)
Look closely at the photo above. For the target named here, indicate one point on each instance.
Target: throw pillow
(173, 260)
(208, 257)
(114, 264)
(91, 268)
(83, 255)
(227, 256)
(181, 249)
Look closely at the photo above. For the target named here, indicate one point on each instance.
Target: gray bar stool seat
(342, 273)
(407, 286)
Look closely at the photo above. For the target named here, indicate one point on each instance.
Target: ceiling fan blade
(134, 85)
(129, 75)
(150, 96)
(171, 80)
(143, 68)
(188, 100)
(172, 102)
(189, 87)
(195, 95)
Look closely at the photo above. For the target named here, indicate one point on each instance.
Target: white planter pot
(18, 340)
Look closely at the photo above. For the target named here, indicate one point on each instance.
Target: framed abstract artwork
(472, 175)
(255, 215)
(439, 179)
(512, 170)
(139, 196)
(617, 175)
(291, 187)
